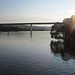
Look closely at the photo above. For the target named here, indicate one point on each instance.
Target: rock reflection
(65, 49)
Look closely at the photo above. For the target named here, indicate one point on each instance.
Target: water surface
(22, 55)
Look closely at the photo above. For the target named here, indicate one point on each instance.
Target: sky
(13, 11)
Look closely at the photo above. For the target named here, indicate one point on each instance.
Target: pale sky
(35, 10)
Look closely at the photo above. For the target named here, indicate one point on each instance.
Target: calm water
(22, 55)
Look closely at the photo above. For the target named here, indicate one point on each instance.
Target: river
(21, 54)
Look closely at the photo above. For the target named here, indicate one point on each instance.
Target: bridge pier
(31, 27)
(31, 31)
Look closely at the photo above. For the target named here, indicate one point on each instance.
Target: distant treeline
(23, 28)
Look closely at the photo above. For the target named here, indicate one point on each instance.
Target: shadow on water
(65, 49)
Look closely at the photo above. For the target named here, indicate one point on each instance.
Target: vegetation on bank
(24, 28)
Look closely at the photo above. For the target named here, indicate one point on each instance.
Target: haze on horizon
(35, 10)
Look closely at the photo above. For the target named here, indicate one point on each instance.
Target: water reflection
(66, 49)
(30, 34)
(17, 34)
(20, 55)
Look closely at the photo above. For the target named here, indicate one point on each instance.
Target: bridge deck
(30, 23)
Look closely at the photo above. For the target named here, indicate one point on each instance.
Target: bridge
(31, 24)
(42, 23)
